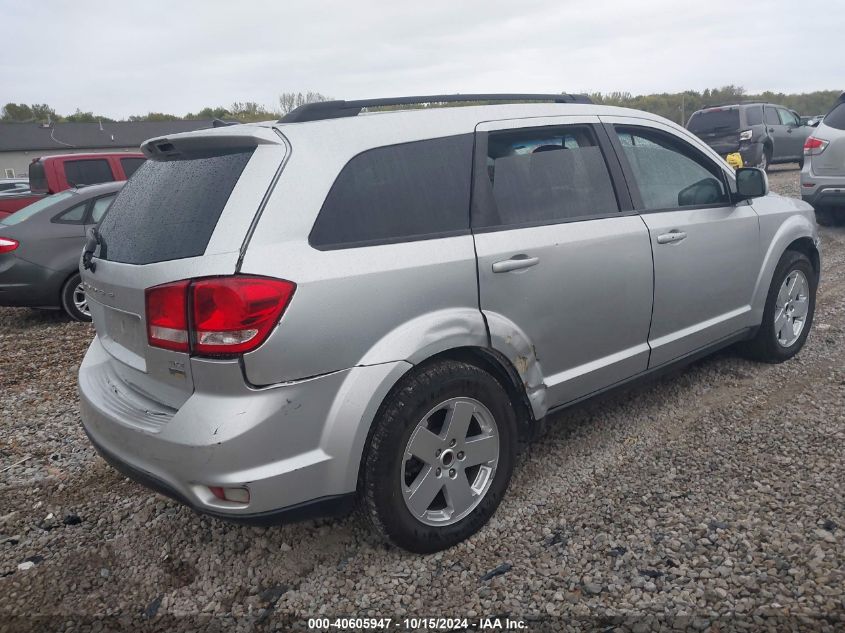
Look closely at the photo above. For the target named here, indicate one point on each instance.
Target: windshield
(709, 121)
(35, 207)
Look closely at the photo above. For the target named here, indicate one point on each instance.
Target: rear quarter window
(169, 209)
(836, 117)
(402, 192)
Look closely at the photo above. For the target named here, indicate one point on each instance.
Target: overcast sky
(118, 58)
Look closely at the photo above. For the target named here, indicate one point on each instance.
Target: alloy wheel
(80, 301)
(450, 461)
(791, 308)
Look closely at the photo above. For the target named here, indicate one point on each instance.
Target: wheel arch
(485, 358)
(806, 246)
(497, 365)
(796, 233)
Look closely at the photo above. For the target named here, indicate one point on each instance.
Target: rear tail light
(814, 146)
(167, 316)
(7, 244)
(217, 316)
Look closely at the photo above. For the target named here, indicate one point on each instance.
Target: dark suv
(762, 133)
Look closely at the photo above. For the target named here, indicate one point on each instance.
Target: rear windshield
(836, 117)
(168, 209)
(37, 177)
(707, 121)
(31, 209)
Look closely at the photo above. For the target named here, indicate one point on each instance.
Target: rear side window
(836, 117)
(39, 205)
(669, 172)
(131, 165)
(88, 172)
(402, 192)
(754, 115)
(545, 176)
(169, 209)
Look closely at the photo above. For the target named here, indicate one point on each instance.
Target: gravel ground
(710, 500)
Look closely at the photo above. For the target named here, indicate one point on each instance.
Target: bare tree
(291, 100)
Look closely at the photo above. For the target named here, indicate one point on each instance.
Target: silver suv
(374, 308)
(823, 175)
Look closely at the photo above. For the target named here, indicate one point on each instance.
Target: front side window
(787, 118)
(88, 172)
(669, 172)
(401, 192)
(545, 176)
(772, 116)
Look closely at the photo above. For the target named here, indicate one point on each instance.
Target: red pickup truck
(51, 174)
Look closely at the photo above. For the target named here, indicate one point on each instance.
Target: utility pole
(683, 109)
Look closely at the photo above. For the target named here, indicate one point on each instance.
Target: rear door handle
(517, 262)
(671, 237)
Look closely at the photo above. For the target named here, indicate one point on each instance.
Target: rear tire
(766, 159)
(440, 456)
(791, 295)
(824, 217)
(74, 302)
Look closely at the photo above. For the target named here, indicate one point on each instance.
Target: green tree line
(244, 111)
(679, 106)
(676, 106)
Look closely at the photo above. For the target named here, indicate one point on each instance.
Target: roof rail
(339, 109)
(734, 104)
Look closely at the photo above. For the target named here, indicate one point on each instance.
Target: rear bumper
(331, 506)
(822, 191)
(25, 284)
(296, 447)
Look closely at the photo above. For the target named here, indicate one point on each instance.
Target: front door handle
(517, 262)
(671, 237)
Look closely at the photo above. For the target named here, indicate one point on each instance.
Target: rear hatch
(718, 127)
(184, 214)
(831, 162)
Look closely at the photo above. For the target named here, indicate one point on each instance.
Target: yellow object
(734, 160)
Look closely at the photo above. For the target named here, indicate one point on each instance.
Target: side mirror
(751, 183)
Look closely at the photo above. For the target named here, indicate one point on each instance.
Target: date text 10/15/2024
(416, 624)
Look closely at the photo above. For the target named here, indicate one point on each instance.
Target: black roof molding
(339, 109)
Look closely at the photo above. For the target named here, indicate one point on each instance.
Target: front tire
(788, 315)
(440, 456)
(74, 301)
